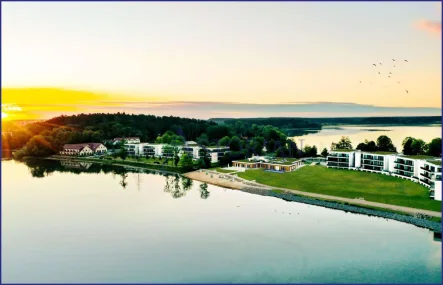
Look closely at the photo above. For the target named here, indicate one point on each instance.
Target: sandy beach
(240, 183)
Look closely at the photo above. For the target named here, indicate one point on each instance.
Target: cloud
(433, 27)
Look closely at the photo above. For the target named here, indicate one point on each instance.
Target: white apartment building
(420, 169)
(156, 149)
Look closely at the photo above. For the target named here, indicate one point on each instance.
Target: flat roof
(343, 150)
(416, 156)
(435, 162)
(380, 152)
(279, 161)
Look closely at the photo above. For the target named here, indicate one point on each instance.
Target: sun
(4, 115)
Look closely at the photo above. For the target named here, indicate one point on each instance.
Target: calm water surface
(62, 224)
(358, 134)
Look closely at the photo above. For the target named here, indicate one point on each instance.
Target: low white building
(158, 149)
(127, 140)
(420, 169)
(81, 149)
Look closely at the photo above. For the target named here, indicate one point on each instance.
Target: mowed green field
(349, 184)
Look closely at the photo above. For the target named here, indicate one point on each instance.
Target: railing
(426, 181)
(404, 162)
(403, 174)
(338, 159)
(372, 167)
(403, 169)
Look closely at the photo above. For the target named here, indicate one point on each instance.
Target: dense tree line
(282, 123)
(410, 146)
(47, 137)
(315, 123)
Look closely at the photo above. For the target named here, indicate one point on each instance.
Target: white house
(98, 148)
(80, 149)
(127, 140)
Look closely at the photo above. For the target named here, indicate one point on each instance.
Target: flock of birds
(389, 75)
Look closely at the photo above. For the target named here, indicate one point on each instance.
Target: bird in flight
(374, 64)
(393, 59)
(390, 72)
(407, 91)
(394, 65)
(380, 63)
(406, 60)
(379, 73)
(398, 82)
(389, 76)
(360, 81)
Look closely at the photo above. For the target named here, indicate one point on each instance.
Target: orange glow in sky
(263, 53)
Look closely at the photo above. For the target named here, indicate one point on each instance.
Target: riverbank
(422, 218)
(123, 163)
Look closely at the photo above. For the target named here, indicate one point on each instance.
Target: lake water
(359, 134)
(88, 223)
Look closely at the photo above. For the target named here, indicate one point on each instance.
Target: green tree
(235, 143)
(123, 153)
(384, 143)
(186, 162)
(324, 152)
(407, 142)
(418, 147)
(224, 141)
(203, 140)
(343, 143)
(434, 147)
(310, 151)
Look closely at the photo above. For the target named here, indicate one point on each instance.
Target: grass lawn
(349, 184)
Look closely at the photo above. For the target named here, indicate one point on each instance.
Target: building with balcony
(343, 159)
(430, 172)
(425, 170)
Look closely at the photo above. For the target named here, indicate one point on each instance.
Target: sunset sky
(264, 53)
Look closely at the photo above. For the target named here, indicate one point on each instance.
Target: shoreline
(417, 217)
(136, 165)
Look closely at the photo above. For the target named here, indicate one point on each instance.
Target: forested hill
(99, 127)
(315, 122)
(147, 127)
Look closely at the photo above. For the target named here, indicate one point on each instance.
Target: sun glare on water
(4, 115)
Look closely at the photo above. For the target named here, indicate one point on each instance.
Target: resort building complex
(83, 149)
(165, 150)
(425, 170)
(271, 164)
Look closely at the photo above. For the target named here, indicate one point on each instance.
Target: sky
(261, 53)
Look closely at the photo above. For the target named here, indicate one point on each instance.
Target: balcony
(338, 159)
(404, 162)
(401, 168)
(425, 168)
(404, 173)
(338, 164)
(377, 158)
(426, 181)
(372, 167)
(373, 163)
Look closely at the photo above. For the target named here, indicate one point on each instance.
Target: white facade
(424, 171)
(86, 151)
(153, 149)
(437, 190)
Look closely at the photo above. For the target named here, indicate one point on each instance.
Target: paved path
(215, 180)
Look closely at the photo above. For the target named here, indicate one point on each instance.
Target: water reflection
(204, 193)
(175, 184)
